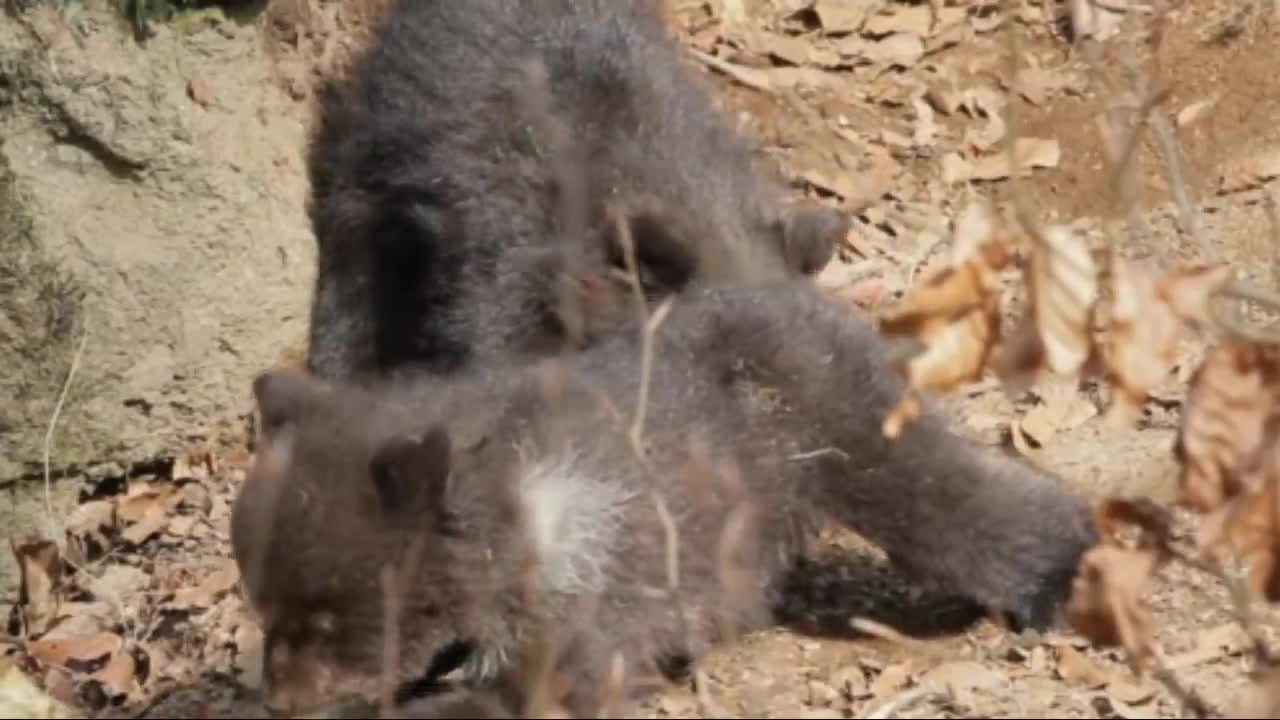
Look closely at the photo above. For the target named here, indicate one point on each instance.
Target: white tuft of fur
(574, 519)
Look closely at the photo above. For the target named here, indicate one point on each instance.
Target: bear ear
(665, 262)
(411, 474)
(284, 396)
(810, 236)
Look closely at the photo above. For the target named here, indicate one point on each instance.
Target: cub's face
(331, 510)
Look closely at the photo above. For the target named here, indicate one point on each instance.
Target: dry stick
(392, 605)
(395, 582)
(56, 535)
(649, 328)
(1167, 140)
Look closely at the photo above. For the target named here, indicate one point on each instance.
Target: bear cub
(518, 501)
(473, 175)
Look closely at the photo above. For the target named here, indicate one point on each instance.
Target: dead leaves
(1108, 603)
(1149, 315)
(91, 619)
(956, 314)
(1062, 287)
(1028, 153)
(1230, 398)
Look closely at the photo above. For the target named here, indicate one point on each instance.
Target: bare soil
(155, 627)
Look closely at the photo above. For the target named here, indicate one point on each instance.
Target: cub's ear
(283, 396)
(411, 474)
(665, 262)
(810, 235)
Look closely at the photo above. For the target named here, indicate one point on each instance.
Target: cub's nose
(292, 681)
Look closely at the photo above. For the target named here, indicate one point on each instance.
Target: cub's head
(672, 252)
(343, 492)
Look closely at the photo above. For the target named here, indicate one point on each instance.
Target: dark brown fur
(481, 151)
(764, 415)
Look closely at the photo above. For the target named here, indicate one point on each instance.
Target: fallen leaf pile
(106, 620)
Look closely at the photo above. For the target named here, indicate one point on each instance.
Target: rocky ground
(897, 113)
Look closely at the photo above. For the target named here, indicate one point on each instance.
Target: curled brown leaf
(1062, 287)
(1148, 316)
(956, 315)
(1249, 527)
(1230, 398)
(1108, 603)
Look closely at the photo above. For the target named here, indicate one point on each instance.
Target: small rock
(199, 92)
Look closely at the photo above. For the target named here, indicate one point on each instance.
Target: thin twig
(55, 533)
(392, 604)
(1233, 325)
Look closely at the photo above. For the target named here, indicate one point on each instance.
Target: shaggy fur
(527, 499)
(469, 179)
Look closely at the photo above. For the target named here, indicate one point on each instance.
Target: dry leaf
(222, 580)
(955, 313)
(891, 679)
(769, 79)
(58, 651)
(149, 525)
(142, 497)
(93, 522)
(119, 675)
(926, 130)
(1108, 601)
(1077, 669)
(195, 464)
(1061, 408)
(949, 295)
(21, 699)
(960, 678)
(1249, 526)
(844, 16)
(916, 19)
(1225, 640)
(1062, 286)
(901, 49)
(40, 570)
(1035, 84)
(987, 23)
(1114, 514)
(1029, 153)
(1147, 319)
(1230, 396)
(1250, 172)
(1129, 692)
